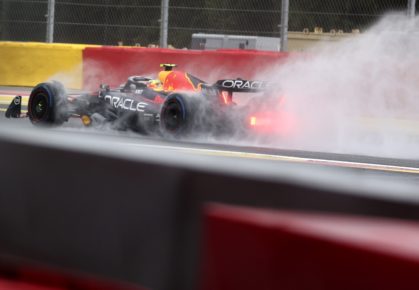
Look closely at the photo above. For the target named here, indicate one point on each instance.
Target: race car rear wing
(244, 86)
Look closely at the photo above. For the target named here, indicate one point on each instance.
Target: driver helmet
(155, 85)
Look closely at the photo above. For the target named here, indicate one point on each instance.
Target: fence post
(284, 25)
(50, 21)
(164, 23)
(5, 20)
(411, 8)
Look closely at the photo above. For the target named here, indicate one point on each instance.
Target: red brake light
(253, 121)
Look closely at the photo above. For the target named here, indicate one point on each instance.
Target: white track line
(260, 156)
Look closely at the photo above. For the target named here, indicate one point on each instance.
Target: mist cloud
(359, 95)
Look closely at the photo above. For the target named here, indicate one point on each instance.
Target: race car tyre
(177, 115)
(47, 104)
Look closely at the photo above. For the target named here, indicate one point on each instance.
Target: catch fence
(138, 22)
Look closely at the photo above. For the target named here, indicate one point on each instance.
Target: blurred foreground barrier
(112, 65)
(264, 249)
(27, 64)
(93, 205)
(24, 274)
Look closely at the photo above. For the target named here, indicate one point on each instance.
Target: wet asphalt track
(401, 171)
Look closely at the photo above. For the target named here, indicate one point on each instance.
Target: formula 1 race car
(175, 104)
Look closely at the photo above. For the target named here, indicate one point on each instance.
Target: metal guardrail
(97, 205)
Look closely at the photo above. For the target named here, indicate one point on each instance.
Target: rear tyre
(177, 115)
(47, 104)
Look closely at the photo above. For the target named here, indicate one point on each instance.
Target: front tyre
(47, 104)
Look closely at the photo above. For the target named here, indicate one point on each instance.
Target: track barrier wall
(27, 64)
(112, 65)
(85, 66)
(141, 221)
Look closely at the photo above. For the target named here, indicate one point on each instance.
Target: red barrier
(35, 277)
(14, 285)
(257, 249)
(112, 65)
